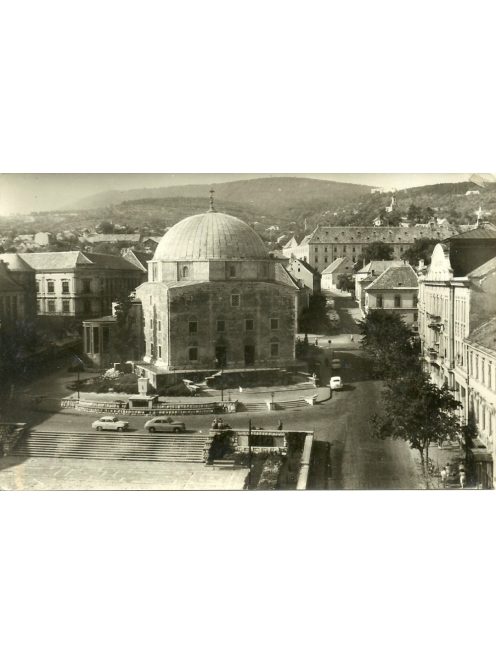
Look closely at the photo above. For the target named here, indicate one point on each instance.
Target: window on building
(274, 323)
(87, 307)
(38, 306)
(65, 286)
(50, 286)
(490, 375)
(249, 324)
(193, 353)
(51, 306)
(159, 351)
(415, 300)
(37, 286)
(397, 301)
(185, 271)
(274, 349)
(483, 371)
(159, 325)
(66, 306)
(379, 302)
(235, 300)
(150, 323)
(477, 367)
(232, 270)
(86, 285)
(193, 327)
(221, 326)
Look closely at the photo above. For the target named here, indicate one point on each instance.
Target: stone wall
(169, 311)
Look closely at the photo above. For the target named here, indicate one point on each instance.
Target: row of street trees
(413, 408)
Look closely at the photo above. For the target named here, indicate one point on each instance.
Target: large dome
(212, 235)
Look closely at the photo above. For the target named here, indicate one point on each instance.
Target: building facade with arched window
(215, 299)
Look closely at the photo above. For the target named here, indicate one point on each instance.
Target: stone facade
(215, 299)
(208, 325)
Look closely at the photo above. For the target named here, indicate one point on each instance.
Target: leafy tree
(17, 341)
(123, 333)
(421, 249)
(105, 227)
(414, 214)
(346, 282)
(428, 214)
(390, 344)
(314, 318)
(375, 251)
(419, 412)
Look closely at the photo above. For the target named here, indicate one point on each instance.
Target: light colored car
(110, 423)
(336, 363)
(336, 383)
(165, 424)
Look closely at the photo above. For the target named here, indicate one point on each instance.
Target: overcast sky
(21, 193)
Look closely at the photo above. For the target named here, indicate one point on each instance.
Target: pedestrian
(462, 480)
(448, 470)
(279, 425)
(443, 477)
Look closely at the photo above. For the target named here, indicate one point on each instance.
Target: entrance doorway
(220, 356)
(249, 356)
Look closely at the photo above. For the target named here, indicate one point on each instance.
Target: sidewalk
(439, 458)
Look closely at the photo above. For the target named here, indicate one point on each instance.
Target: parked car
(165, 424)
(336, 363)
(336, 383)
(110, 423)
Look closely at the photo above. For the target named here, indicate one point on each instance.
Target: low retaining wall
(302, 482)
(166, 409)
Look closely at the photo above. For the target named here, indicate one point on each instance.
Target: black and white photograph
(262, 332)
(247, 332)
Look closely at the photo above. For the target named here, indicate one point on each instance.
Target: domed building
(215, 298)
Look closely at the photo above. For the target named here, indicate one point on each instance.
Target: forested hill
(268, 194)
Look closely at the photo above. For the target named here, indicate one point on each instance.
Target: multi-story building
(24, 276)
(396, 290)
(451, 310)
(11, 298)
(327, 243)
(369, 273)
(76, 284)
(480, 360)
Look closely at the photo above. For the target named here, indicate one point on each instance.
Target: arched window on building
(185, 272)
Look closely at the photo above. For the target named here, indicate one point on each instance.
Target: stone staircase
(184, 448)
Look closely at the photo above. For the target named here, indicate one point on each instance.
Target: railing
(166, 409)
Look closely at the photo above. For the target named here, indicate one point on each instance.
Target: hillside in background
(268, 194)
(290, 205)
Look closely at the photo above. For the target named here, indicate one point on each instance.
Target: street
(357, 459)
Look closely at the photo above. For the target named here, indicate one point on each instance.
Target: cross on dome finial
(212, 192)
